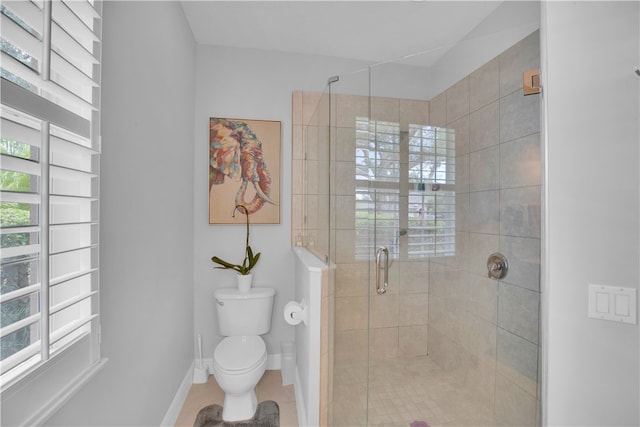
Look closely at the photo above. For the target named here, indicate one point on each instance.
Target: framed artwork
(244, 169)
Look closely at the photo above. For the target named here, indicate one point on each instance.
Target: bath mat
(267, 415)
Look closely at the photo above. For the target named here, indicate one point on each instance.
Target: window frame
(440, 188)
(69, 114)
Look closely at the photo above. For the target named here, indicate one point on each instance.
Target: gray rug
(267, 415)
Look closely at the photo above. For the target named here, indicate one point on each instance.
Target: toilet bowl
(238, 364)
(240, 359)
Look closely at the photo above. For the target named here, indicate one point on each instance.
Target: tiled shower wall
(484, 332)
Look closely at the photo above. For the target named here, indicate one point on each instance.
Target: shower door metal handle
(382, 250)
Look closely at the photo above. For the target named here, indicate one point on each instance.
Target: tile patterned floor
(269, 388)
(402, 391)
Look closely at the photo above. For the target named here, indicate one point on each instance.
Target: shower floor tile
(402, 391)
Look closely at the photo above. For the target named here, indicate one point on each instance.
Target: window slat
(23, 356)
(20, 293)
(72, 301)
(28, 12)
(84, 10)
(21, 39)
(70, 49)
(20, 251)
(19, 325)
(70, 328)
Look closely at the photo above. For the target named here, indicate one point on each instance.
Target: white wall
(591, 96)
(253, 84)
(146, 217)
(509, 23)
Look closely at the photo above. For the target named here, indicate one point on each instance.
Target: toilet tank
(244, 313)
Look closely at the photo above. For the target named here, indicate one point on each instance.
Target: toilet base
(238, 407)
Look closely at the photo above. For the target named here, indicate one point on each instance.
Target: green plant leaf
(250, 260)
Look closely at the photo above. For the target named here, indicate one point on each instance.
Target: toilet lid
(239, 353)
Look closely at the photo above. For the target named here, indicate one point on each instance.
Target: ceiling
(371, 31)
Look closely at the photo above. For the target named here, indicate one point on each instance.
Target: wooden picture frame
(244, 168)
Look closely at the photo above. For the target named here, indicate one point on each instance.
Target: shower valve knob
(497, 266)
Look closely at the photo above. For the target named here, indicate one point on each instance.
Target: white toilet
(240, 359)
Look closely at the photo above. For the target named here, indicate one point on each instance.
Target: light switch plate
(612, 303)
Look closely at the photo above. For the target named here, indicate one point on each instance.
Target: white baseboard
(300, 406)
(173, 412)
(274, 362)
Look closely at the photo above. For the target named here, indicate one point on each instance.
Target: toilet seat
(240, 354)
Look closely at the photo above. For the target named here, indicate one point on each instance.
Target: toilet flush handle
(220, 303)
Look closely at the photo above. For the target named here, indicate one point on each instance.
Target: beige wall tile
(462, 212)
(296, 108)
(481, 335)
(297, 176)
(384, 344)
(520, 213)
(346, 144)
(461, 128)
(484, 127)
(520, 162)
(519, 116)
(413, 276)
(413, 309)
(484, 169)
(297, 215)
(345, 178)
(345, 250)
(518, 361)
(351, 347)
(309, 104)
(484, 85)
(458, 100)
(348, 107)
(385, 109)
(524, 261)
(351, 313)
(518, 311)
(438, 110)
(413, 112)
(480, 247)
(412, 341)
(345, 212)
(297, 144)
(383, 311)
(523, 56)
(484, 298)
(352, 279)
(514, 406)
(485, 206)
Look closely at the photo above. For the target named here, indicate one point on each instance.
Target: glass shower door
(452, 180)
(411, 188)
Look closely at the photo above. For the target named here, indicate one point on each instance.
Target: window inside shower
(404, 189)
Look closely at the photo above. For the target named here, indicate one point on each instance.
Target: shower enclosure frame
(358, 305)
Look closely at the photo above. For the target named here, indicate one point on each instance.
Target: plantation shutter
(404, 187)
(49, 184)
(432, 197)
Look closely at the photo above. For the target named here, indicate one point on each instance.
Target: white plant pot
(244, 282)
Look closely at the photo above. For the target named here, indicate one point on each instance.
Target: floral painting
(244, 169)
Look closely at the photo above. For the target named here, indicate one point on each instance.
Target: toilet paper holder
(295, 312)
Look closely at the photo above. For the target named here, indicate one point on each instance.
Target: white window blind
(404, 187)
(49, 184)
(432, 215)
